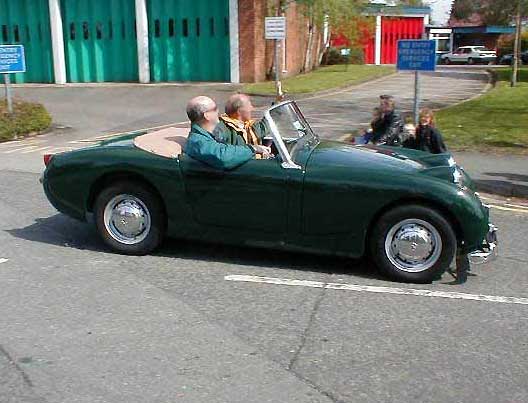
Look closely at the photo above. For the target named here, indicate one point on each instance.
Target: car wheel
(447, 60)
(129, 218)
(471, 61)
(413, 244)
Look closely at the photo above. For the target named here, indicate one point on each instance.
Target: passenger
(428, 137)
(236, 125)
(390, 125)
(201, 145)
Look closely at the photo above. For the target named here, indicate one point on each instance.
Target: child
(427, 137)
(375, 124)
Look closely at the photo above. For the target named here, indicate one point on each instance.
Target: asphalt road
(81, 324)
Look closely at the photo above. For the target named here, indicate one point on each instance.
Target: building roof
(382, 9)
(484, 29)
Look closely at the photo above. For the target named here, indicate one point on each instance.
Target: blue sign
(12, 59)
(417, 55)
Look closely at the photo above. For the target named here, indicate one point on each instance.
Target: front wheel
(471, 61)
(129, 218)
(413, 244)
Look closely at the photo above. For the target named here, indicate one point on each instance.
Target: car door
(458, 55)
(252, 196)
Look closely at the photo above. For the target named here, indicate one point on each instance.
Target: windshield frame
(287, 161)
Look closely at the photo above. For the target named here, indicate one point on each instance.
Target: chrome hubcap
(413, 245)
(127, 219)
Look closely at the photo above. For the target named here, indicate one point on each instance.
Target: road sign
(417, 55)
(275, 28)
(12, 59)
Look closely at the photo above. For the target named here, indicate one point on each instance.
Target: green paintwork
(189, 40)
(27, 22)
(325, 207)
(100, 40)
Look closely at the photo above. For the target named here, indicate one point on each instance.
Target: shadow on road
(60, 230)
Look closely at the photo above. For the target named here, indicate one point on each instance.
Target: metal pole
(416, 108)
(277, 71)
(7, 81)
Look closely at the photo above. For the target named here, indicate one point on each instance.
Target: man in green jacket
(237, 126)
(202, 146)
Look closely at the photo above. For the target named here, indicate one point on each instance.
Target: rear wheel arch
(111, 178)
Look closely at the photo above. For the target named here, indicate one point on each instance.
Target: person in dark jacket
(202, 146)
(427, 138)
(389, 128)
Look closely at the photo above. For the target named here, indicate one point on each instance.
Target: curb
(502, 188)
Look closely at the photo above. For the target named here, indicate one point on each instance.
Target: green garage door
(100, 40)
(26, 22)
(189, 40)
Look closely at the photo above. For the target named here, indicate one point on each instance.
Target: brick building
(148, 40)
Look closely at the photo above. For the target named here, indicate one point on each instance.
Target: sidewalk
(505, 175)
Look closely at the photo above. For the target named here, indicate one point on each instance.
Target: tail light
(47, 159)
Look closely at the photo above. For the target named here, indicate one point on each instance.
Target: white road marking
(18, 143)
(19, 149)
(378, 289)
(3, 260)
(35, 150)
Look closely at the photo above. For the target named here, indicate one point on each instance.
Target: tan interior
(167, 142)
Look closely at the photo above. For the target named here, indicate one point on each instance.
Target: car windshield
(290, 131)
(290, 122)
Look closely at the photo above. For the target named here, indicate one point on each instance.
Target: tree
(337, 15)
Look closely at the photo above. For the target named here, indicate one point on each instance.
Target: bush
(28, 118)
(333, 56)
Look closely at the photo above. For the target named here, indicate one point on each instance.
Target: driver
(236, 125)
(201, 145)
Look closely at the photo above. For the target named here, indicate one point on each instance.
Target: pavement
(201, 323)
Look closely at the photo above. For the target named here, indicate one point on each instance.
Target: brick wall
(257, 54)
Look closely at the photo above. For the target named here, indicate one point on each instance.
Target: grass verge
(494, 122)
(324, 78)
(28, 118)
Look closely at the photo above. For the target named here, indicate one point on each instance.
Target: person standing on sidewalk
(427, 138)
(390, 124)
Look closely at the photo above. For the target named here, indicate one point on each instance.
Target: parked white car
(470, 55)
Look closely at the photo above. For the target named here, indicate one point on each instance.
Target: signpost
(12, 60)
(275, 29)
(417, 55)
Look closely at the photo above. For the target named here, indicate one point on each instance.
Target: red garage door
(392, 30)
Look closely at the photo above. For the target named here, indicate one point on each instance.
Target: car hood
(395, 160)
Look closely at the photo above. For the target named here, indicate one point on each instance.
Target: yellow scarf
(244, 128)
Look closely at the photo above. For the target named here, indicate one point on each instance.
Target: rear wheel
(471, 61)
(129, 218)
(413, 244)
(447, 60)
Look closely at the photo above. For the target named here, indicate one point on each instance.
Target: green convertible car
(411, 212)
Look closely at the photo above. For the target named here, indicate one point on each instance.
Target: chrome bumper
(489, 249)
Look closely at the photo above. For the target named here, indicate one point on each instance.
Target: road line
(378, 289)
(518, 210)
(35, 150)
(3, 260)
(19, 149)
(20, 143)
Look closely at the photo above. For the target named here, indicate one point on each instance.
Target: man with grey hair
(203, 146)
(236, 125)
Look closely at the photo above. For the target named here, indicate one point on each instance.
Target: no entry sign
(12, 59)
(417, 55)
